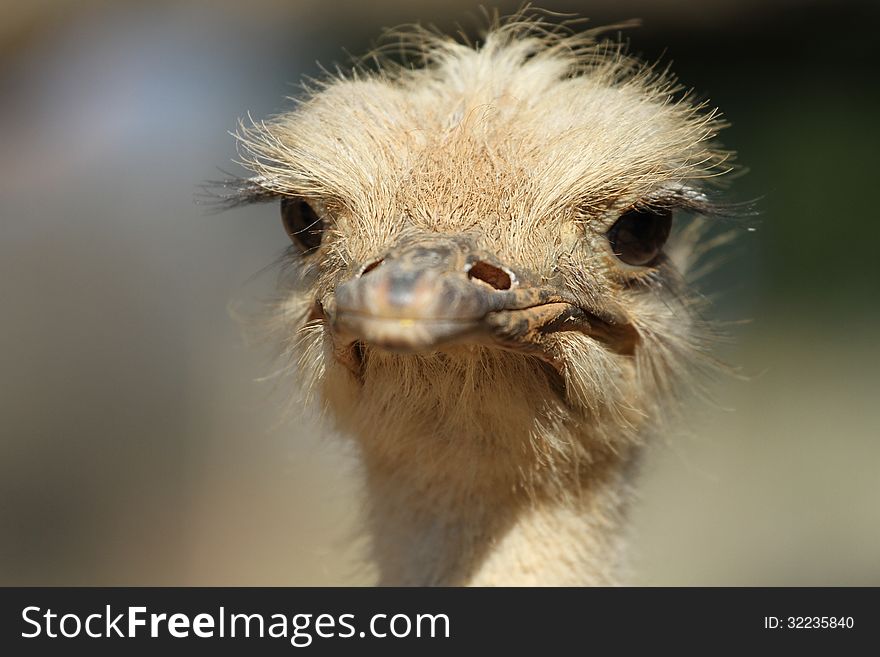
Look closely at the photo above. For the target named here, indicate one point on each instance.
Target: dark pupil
(639, 235)
(302, 223)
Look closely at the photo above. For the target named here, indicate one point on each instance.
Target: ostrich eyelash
(689, 199)
(709, 207)
(235, 192)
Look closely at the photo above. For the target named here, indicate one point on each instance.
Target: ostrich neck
(431, 526)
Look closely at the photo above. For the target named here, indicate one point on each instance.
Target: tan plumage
(493, 461)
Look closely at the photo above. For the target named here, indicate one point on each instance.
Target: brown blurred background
(137, 447)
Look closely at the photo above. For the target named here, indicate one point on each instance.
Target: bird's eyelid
(671, 196)
(676, 196)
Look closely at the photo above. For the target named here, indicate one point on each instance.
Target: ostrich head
(480, 284)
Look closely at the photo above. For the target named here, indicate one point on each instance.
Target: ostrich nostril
(370, 267)
(491, 275)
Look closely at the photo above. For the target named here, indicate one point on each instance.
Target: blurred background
(137, 445)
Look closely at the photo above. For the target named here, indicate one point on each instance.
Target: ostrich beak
(431, 291)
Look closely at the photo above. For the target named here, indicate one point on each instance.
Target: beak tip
(401, 335)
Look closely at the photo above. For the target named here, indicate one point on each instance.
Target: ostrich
(480, 292)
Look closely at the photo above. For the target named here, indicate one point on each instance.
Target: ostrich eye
(303, 225)
(638, 235)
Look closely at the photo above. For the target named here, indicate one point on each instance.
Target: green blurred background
(137, 447)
